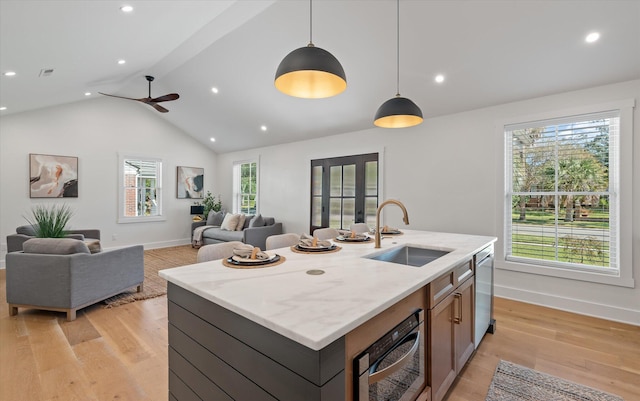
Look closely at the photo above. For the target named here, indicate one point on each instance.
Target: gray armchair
(60, 274)
(26, 232)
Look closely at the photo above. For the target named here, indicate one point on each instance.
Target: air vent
(45, 72)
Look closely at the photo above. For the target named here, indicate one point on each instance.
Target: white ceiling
(491, 52)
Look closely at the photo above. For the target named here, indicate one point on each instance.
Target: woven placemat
(296, 250)
(276, 263)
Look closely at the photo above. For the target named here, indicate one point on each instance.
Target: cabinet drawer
(463, 272)
(444, 285)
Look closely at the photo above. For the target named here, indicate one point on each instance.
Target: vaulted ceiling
(490, 52)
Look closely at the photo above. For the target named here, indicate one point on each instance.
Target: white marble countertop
(315, 310)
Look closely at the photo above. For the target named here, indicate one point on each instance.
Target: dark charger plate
(256, 263)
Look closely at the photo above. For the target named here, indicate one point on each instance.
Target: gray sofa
(251, 233)
(60, 274)
(26, 232)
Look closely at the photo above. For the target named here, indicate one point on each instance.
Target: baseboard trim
(582, 307)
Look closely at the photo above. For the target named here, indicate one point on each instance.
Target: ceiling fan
(153, 102)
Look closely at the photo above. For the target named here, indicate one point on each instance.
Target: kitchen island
(279, 332)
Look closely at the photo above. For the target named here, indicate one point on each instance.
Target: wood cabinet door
(464, 319)
(442, 369)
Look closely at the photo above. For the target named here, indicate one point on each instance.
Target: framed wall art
(52, 176)
(190, 182)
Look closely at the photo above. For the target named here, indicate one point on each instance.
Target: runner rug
(154, 285)
(517, 383)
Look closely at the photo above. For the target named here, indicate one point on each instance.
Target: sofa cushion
(230, 222)
(219, 234)
(256, 221)
(27, 230)
(269, 221)
(241, 221)
(215, 218)
(55, 246)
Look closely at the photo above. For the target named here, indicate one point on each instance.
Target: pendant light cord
(311, 22)
(398, 48)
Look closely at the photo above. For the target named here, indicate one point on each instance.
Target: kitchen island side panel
(213, 349)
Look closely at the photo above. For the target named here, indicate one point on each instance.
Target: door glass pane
(371, 178)
(316, 211)
(370, 208)
(316, 181)
(348, 212)
(349, 180)
(335, 181)
(334, 212)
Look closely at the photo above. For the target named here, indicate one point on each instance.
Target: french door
(344, 190)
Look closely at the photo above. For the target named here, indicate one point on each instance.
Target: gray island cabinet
(279, 333)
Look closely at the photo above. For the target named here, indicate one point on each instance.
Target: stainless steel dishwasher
(485, 323)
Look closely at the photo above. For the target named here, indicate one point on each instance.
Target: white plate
(249, 260)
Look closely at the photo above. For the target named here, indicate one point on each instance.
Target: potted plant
(210, 203)
(50, 222)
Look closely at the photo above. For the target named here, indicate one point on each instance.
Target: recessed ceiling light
(87, 93)
(2, 108)
(9, 73)
(214, 90)
(263, 127)
(126, 9)
(592, 37)
(212, 139)
(439, 78)
(121, 62)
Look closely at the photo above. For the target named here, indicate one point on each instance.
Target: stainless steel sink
(409, 255)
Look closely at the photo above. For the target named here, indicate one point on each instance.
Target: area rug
(517, 383)
(154, 285)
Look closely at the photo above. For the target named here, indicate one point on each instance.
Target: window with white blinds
(562, 192)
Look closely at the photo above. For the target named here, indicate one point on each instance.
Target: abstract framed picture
(52, 176)
(190, 182)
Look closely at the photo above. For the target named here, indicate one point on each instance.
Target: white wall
(95, 131)
(444, 171)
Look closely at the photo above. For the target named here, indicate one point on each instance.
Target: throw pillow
(257, 221)
(241, 221)
(54, 246)
(230, 222)
(94, 246)
(27, 230)
(215, 218)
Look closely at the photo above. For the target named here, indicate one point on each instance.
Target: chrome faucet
(383, 204)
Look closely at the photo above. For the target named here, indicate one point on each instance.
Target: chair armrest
(15, 241)
(257, 236)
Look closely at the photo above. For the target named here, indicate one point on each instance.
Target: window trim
(122, 219)
(624, 278)
(236, 169)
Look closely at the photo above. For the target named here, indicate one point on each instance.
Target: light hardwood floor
(121, 353)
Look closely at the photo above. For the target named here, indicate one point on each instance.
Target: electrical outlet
(114, 237)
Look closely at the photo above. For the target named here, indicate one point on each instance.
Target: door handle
(457, 318)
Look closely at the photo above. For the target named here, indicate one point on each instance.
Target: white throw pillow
(230, 222)
(241, 221)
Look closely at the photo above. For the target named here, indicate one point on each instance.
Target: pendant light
(398, 112)
(310, 72)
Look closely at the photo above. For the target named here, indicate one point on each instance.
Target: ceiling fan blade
(166, 98)
(122, 97)
(158, 107)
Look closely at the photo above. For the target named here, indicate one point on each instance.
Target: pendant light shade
(310, 72)
(398, 112)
